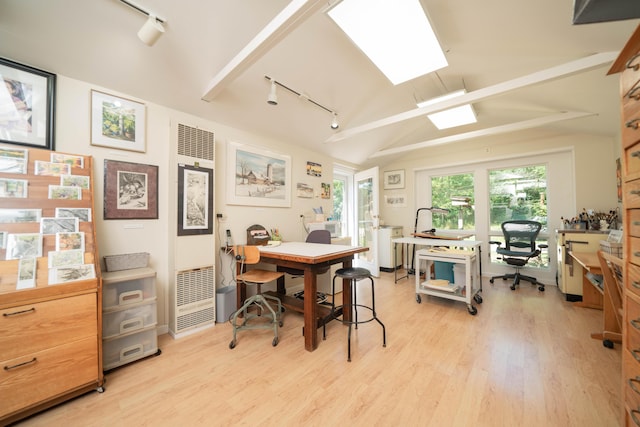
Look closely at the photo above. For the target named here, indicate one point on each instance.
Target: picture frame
(14, 188)
(118, 122)
(195, 200)
(130, 190)
(260, 177)
(394, 179)
(395, 200)
(27, 117)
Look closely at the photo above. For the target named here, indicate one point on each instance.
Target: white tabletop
(305, 249)
(422, 241)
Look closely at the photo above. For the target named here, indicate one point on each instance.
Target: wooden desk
(310, 257)
(592, 295)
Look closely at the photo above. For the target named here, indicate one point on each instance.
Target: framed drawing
(117, 122)
(396, 201)
(195, 200)
(130, 190)
(258, 177)
(27, 112)
(394, 179)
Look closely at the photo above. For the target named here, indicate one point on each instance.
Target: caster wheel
(280, 323)
(490, 280)
(513, 287)
(232, 345)
(477, 298)
(101, 389)
(274, 342)
(607, 343)
(472, 310)
(541, 288)
(418, 299)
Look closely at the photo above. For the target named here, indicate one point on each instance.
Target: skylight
(457, 116)
(394, 34)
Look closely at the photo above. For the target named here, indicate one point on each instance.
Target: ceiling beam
(283, 24)
(573, 67)
(511, 127)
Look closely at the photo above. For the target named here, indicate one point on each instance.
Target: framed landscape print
(394, 179)
(259, 177)
(27, 112)
(117, 122)
(195, 200)
(130, 190)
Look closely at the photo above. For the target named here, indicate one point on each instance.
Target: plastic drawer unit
(129, 316)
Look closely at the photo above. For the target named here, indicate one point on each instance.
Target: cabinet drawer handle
(635, 153)
(633, 124)
(29, 362)
(633, 95)
(636, 354)
(635, 323)
(636, 254)
(634, 413)
(17, 313)
(632, 383)
(636, 222)
(630, 63)
(634, 192)
(635, 284)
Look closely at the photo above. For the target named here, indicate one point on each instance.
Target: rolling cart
(467, 292)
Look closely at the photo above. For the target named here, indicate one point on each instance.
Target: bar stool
(355, 274)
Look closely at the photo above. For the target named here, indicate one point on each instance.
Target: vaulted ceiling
(526, 67)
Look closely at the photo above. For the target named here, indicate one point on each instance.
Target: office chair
(520, 246)
(243, 319)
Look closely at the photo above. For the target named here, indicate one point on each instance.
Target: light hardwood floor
(526, 359)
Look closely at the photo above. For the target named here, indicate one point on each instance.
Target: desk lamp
(433, 210)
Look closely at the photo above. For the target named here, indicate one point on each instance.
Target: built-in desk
(592, 294)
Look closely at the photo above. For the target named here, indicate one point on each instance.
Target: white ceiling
(486, 43)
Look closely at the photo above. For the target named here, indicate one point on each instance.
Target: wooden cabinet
(50, 334)
(628, 63)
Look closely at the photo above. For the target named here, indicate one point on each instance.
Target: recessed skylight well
(457, 116)
(395, 34)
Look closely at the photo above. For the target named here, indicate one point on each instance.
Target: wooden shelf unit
(50, 335)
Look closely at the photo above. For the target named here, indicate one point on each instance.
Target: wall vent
(196, 143)
(194, 299)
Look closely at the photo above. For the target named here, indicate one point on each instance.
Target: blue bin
(443, 270)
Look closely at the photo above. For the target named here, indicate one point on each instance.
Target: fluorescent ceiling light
(395, 35)
(457, 116)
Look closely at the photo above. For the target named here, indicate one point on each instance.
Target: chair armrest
(543, 246)
(493, 242)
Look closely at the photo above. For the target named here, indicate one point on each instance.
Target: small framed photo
(83, 214)
(71, 273)
(24, 245)
(117, 122)
(65, 258)
(394, 179)
(58, 225)
(27, 112)
(314, 169)
(396, 200)
(326, 190)
(51, 169)
(75, 181)
(13, 160)
(70, 159)
(70, 241)
(26, 273)
(64, 192)
(14, 188)
(130, 190)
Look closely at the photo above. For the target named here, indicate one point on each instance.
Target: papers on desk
(441, 285)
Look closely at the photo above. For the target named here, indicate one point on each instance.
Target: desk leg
(310, 310)
(346, 294)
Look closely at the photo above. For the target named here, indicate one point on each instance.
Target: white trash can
(225, 303)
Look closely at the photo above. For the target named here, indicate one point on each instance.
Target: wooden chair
(262, 315)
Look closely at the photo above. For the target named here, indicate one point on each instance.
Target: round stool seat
(353, 273)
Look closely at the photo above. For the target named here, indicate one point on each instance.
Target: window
(454, 193)
(342, 200)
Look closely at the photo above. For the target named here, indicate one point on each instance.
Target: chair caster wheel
(477, 298)
(232, 345)
(490, 280)
(472, 310)
(513, 287)
(541, 288)
(280, 323)
(418, 299)
(607, 343)
(274, 342)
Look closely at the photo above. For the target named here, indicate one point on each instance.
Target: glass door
(367, 219)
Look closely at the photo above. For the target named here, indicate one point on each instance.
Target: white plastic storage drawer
(125, 349)
(128, 292)
(128, 320)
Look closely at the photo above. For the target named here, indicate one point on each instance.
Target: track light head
(334, 122)
(151, 31)
(273, 96)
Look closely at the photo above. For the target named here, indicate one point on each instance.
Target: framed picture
(14, 188)
(65, 192)
(260, 177)
(59, 225)
(27, 113)
(130, 190)
(394, 179)
(314, 169)
(396, 200)
(117, 122)
(195, 200)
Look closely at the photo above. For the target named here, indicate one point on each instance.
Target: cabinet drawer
(633, 282)
(121, 350)
(629, 77)
(632, 159)
(631, 120)
(128, 292)
(633, 227)
(48, 373)
(634, 250)
(129, 320)
(631, 194)
(30, 328)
